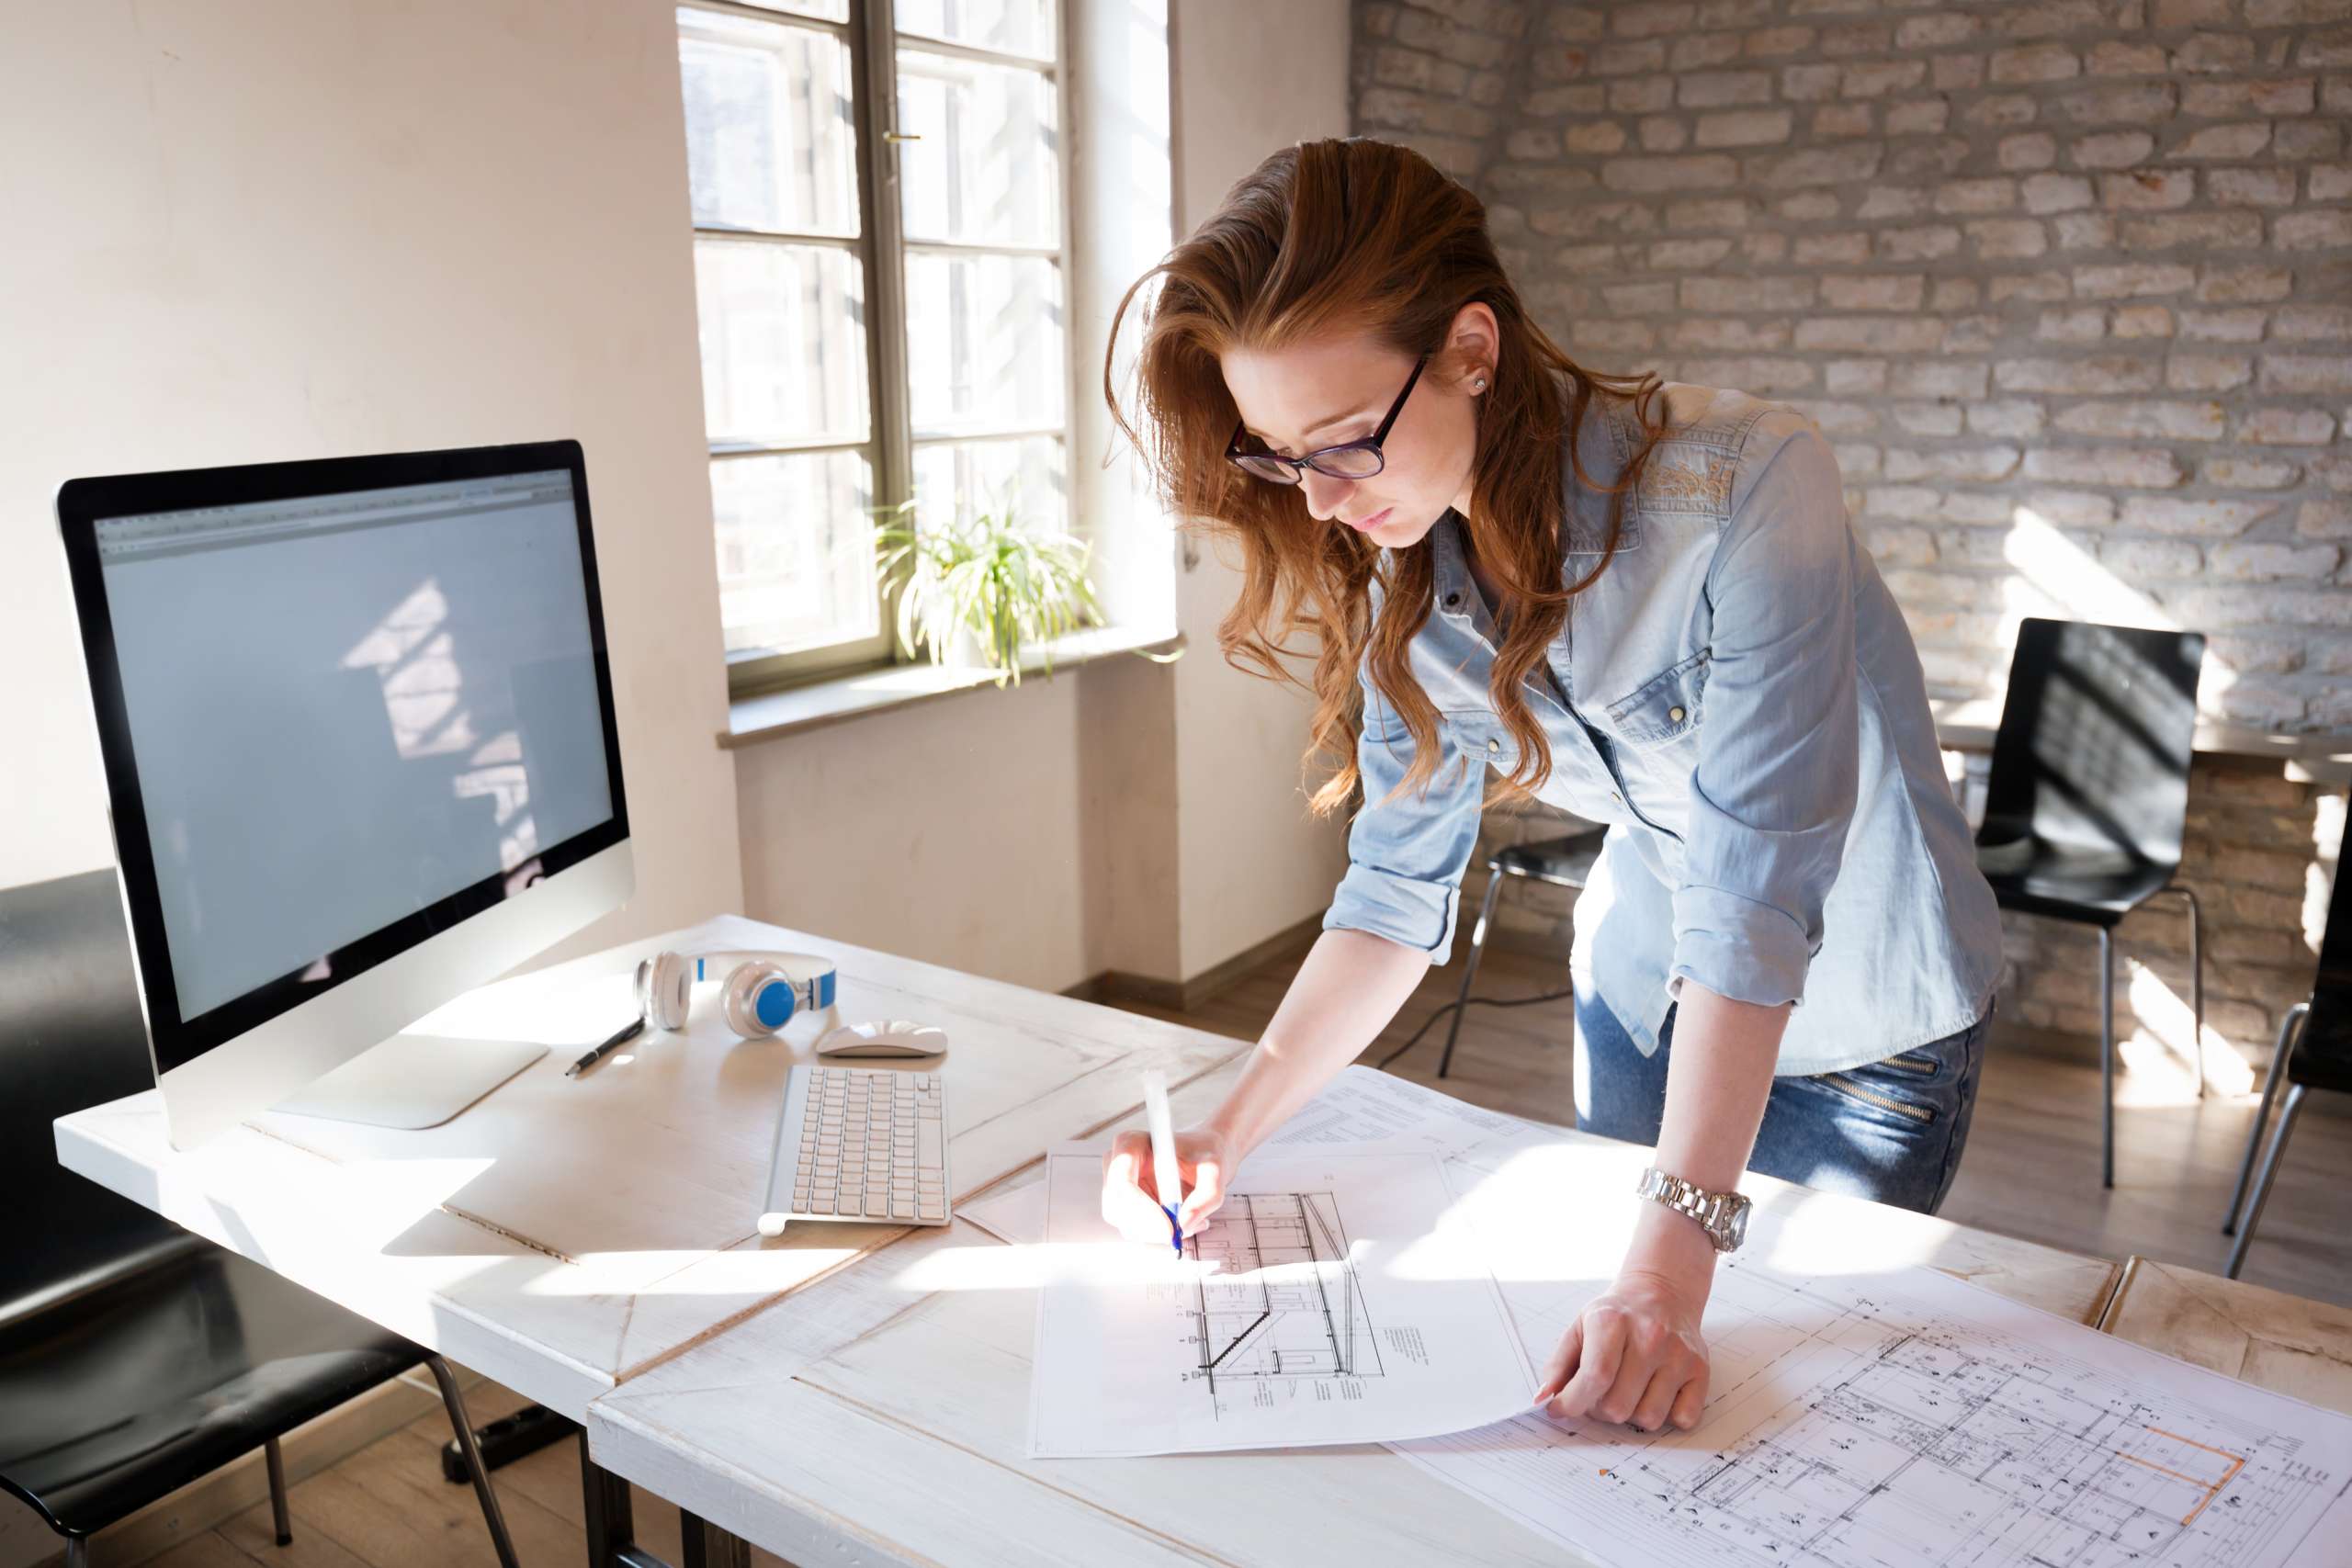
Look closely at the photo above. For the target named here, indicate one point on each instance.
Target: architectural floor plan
(1907, 1419)
(1327, 1303)
(1277, 1296)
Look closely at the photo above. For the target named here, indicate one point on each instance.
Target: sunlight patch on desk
(1028, 1266)
(1550, 1213)
(386, 1196)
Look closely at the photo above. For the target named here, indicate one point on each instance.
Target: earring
(1480, 384)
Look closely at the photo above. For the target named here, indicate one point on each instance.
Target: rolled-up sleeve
(1778, 754)
(1406, 856)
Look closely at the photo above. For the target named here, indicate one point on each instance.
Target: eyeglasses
(1349, 460)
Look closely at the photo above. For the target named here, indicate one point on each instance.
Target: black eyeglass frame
(1297, 466)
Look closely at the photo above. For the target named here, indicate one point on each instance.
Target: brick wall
(2068, 284)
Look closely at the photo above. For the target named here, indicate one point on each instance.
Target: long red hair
(1348, 235)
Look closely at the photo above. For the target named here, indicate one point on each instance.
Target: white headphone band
(807, 971)
(665, 980)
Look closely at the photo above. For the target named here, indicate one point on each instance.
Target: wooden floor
(387, 1507)
(2031, 1169)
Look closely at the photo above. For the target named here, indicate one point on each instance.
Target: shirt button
(1675, 715)
(1494, 745)
(1451, 600)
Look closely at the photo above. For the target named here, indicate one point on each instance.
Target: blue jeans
(1891, 1131)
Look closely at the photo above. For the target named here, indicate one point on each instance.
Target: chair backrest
(2096, 737)
(2327, 1032)
(71, 1036)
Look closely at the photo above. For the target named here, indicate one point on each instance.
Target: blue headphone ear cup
(757, 1000)
(662, 983)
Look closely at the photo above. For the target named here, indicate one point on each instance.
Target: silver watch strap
(1723, 1215)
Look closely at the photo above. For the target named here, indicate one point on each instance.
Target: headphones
(761, 994)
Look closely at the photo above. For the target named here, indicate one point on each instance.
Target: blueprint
(1326, 1302)
(1903, 1419)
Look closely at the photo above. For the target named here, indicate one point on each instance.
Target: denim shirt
(1738, 699)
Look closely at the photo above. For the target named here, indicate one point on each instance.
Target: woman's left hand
(1633, 1354)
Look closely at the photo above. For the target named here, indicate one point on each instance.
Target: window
(880, 274)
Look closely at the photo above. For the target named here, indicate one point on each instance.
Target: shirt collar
(1600, 443)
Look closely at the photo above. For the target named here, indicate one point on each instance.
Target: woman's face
(1337, 388)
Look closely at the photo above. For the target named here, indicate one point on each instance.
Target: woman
(1638, 600)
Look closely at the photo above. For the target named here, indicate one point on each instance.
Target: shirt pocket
(1664, 709)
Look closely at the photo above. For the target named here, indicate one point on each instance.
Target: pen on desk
(620, 1037)
(1166, 1175)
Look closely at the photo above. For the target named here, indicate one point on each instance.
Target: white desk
(881, 1416)
(563, 1236)
(842, 1393)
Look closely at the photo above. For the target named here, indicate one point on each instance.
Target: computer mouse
(898, 1037)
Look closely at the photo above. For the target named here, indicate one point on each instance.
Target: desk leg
(605, 1499)
(612, 1531)
(707, 1546)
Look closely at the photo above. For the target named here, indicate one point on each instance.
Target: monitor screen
(346, 715)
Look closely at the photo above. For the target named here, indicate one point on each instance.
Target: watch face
(1740, 1225)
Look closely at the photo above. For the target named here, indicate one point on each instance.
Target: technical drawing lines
(1885, 1423)
(1282, 1299)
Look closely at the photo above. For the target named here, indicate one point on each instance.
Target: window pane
(783, 341)
(1015, 27)
(959, 479)
(987, 170)
(769, 138)
(795, 550)
(984, 343)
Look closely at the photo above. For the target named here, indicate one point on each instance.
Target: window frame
(882, 248)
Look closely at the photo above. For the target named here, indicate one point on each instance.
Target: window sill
(819, 703)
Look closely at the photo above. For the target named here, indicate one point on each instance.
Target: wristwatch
(1723, 1215)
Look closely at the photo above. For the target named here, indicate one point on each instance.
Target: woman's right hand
(1131, 1194)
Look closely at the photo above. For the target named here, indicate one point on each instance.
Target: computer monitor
(355, 717)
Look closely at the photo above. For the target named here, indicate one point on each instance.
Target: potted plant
(979, 591)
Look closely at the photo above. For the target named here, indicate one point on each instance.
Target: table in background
(2288, 1344)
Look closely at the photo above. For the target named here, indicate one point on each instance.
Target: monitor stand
(412, 1081)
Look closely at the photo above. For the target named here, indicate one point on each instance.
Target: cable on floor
(1474, 1002)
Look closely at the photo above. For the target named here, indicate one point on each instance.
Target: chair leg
(2262, 1184)
(456, 1404)
(77, 1552)
(2272, 1076)
(2106, 1057)
(2196, 977)
(1470, 967)
(275, 1461)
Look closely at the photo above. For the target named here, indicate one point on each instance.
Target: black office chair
(1564, 862)
(2086, 795)
(135, 1357)
(2313, 1051)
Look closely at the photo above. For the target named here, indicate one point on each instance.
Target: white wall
(255, 230)
(1253, 860)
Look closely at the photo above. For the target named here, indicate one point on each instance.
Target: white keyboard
(862, 1144)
